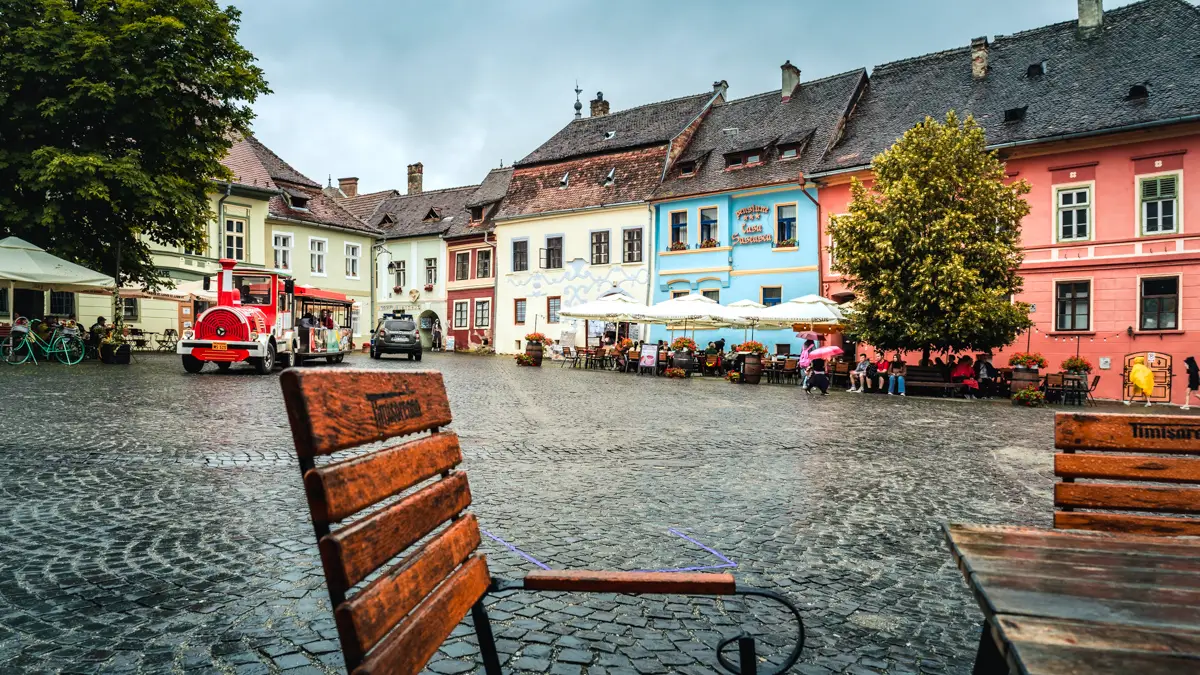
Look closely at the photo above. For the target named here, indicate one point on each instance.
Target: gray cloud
(366, 87)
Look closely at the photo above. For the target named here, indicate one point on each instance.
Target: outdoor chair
(166, 343)
(570, 356)
(1091, 391)
(1054, 387)
(395, 623)
(789, 370)
(1134, 449)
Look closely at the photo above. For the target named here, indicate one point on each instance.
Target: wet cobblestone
(155, 522)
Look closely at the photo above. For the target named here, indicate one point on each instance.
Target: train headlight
(189, 334)
(253, 336)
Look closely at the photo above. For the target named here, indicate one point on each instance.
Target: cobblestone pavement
(155, 521)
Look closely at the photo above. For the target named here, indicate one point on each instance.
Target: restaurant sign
(752, 227)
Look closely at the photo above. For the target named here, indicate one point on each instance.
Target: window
(282, 244)
(772, 295)
(679, 228)
(733, 160)
(235, 238)
(789, 151)
(430, 271)
(1015, 114)
(1159, 202)
(687, 168)
(600, 248)
(476, 213)
(633, 245)
(678, 294)
(1073, 305)
(1074, 213)
(785, 225)
(483, 313)
(552, 255)
(298, 202)
(552, 306)
(520, 256)
(483, 264)
(316, 255)
(1160, 303)
(708, 224)
(4, 302)
(461, 308)
(753, 157)
(712, 294)
(353, 252)
(401, 270)
(519, 310)
(462, 265)
(564, 181)
(130, 309)
(62, 303)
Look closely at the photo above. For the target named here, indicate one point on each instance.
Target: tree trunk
(925, 362)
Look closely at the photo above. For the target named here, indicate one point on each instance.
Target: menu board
(649, 356)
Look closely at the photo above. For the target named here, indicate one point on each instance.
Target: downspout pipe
(820, 238)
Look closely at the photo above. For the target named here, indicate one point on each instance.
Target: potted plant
(428, 287)
(752, 369)
(709, 243)
(397, 290)
(114, 349)
(1077, 365)
(525, 360)
(1027, 360)
(683, 348)
(676, 373)
(678, 246)
(733, 376)
(786, 243)
(1030, 397)
(535, 347)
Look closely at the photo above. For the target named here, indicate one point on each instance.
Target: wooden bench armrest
(591, 581)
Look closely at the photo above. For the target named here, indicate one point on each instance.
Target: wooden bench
(397, 621)
(1165, 482)
(929, 377)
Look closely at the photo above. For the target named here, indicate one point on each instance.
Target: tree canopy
(114, 116)
(931, 248)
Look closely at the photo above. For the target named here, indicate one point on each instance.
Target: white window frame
(457, 258)
(641, 246)
(353, 257)
(322, 256)
(479, 257)
(475, 314)
(431, 272)
(400, 275)
(283, 253)
(717, 291)
(607, 247)
(513, 253)
(226, 233)
(466, 315)
(126, 303)
(1140, 206)
(1056, 197)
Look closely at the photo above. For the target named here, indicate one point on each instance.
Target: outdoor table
(1070, 601)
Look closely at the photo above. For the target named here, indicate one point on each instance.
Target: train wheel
(192, 364)
(266, 363)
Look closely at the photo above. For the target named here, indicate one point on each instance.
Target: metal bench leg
(487, 642)
(747, 659)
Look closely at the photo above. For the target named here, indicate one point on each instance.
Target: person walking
(896, 372)
(437, 336)
(1142, 379)
(1193, 383)
(818, 378)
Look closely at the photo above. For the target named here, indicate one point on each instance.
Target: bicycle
(24, 343)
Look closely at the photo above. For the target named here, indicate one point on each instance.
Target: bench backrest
(395, 623)
(1122, 488)
(925, 374)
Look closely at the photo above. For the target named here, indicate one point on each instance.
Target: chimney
(791, 80)
(1091, 16)
(599, 105)
(348, 186)
(416, 173)
(979, 53)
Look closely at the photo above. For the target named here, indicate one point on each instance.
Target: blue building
(732, 218)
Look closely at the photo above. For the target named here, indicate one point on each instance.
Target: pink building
(1107, 133)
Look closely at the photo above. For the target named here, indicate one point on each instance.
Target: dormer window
(433, 214)
(1036, 70)
(611, 177)
(1138, 92)
(1015, 114)
(387, 219)
(564, 181)
(733, 160)
(753, 157)
(789, 151)
(609, 135)
(476, 213)
(687, 168)
(298, 202)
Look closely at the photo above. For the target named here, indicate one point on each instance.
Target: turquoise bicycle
(24, 344)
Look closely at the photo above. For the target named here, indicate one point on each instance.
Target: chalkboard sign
(649, 356)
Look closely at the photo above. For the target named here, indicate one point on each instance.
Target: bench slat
(350, 554)
(1038, 659)
(1084, 587)
(1033, 630)
(344, 488)
(406, 650)
(1132, 524)
(1158, 469)
(1127, 433)
(1128, 497)
(681, 583)
(371, 613)
(331, 410)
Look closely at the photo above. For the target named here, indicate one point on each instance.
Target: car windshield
(399, 325)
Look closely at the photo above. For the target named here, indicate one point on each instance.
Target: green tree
(114, 116)
(932, 248)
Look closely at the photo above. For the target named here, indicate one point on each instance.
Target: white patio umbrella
(750, 312)
(804, 309)
(611, 307)
(692, 308)
(23, 264)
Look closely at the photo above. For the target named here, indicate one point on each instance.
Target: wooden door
(1160, 365)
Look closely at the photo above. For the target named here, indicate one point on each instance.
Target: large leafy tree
(932, 248)
(114, 116)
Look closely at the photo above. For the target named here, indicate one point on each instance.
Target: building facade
(1109, 145)
(575, 221)
(733, 219)
(471, 264)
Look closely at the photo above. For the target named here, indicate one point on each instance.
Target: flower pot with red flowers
(1030, 397)
(675, 373)
(1025, 369)
(678, 246)
(525, 360)
(535, 347)
(397, 290)
(1077, 365)
(683, 355)
(428, 288)
(710, 243)
(752, 361)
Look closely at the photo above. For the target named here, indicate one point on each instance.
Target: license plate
(220, 346)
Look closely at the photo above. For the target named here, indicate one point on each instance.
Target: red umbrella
(825, 352)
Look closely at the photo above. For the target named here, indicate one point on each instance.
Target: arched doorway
(425, 323)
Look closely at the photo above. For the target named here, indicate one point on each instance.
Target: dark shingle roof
(409, 211)
(364, 206)
(493, 187)
(279, 169)
(635, 127)
(764, 121)
(1087, 79)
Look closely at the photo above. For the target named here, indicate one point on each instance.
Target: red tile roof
(536, 189)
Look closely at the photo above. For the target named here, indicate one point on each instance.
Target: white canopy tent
(694, 309)
(23, 265)
(811, 309)
(613, 307)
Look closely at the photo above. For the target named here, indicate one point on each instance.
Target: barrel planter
(115, 353)
(1024, 378)
(752, 369)
(684, 360)
(534, 351)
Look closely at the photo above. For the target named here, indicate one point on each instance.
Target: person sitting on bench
(986, 374)
(858, 376)
(964, 374)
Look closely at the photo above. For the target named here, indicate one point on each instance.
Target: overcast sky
(366, 87)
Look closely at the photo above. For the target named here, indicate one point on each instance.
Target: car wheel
(192, 364)
(418, 355)
(284, 360)
(374, 354)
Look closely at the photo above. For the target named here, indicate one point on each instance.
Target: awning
(24, 265)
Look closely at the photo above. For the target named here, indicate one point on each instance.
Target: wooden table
(1069, 601)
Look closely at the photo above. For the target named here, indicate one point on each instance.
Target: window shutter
(1159, 188)
(1166, 186)
(542, 255)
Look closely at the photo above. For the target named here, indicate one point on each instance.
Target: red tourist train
(263, 318)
